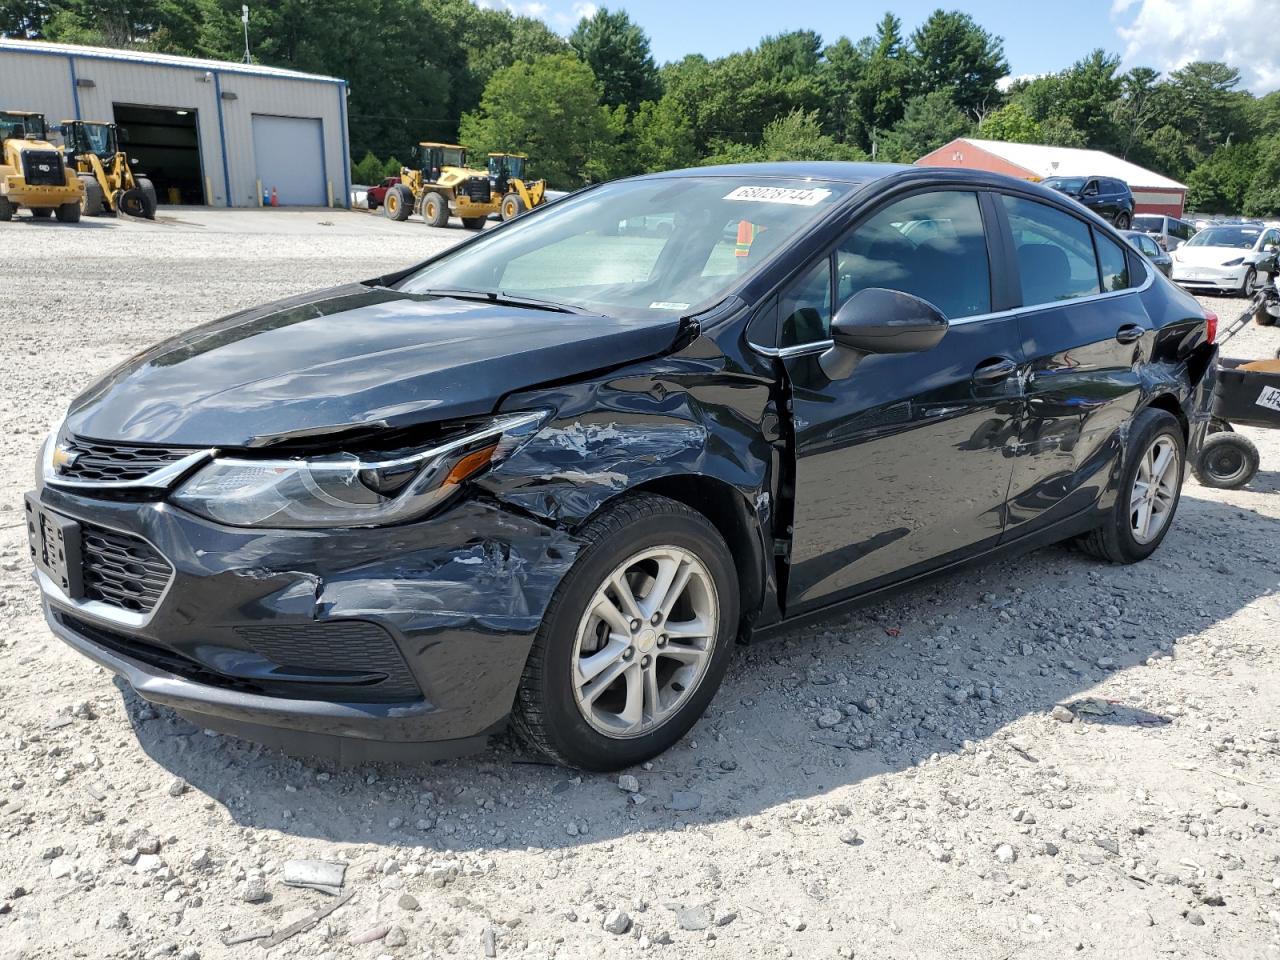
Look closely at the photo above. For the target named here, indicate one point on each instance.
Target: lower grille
(100, 462)
(343, 647)
(42, 168)
(122, 570)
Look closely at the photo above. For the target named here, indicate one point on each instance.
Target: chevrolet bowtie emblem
(63, 458)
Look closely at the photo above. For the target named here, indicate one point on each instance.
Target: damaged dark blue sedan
(551, 477)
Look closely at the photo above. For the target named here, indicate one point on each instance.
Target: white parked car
(1223, 257)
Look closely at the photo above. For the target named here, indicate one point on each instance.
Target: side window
(1055, 253)
(1114, 263)
(931, 245)
(1149, 247)
(805, 306)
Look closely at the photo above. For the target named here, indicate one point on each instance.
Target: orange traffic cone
(275, 201)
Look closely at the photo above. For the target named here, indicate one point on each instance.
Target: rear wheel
(6, 210)
(42, 213)
(69, 212)
(1226, 461)
(91, 202)
(398, 203)
(1150, 487)
(512, 206)
(635, 640)
(435, 209)
(1123, 220)
(474, 223)
(134, 203)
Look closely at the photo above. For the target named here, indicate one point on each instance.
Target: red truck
(377, 194)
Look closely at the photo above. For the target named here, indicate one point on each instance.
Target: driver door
(905, 464)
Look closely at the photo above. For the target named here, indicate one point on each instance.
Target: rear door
(905, 464)
(1083, 333)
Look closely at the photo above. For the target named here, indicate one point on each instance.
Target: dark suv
(554, 474)
(1108, 197)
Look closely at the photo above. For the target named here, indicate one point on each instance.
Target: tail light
(1211, 320)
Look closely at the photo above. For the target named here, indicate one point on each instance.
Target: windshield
(21, 125)
(1066, 184)
(637, 248)
(1148, 223)
(1242, 238)
(453, 157)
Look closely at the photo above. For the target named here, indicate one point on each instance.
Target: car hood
(348, 359)
(1210, 256)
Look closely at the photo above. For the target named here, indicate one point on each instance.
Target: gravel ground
(1041, 757)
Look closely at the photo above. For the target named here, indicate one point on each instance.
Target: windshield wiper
(507, 300)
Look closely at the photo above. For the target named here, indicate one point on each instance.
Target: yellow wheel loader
(507, 174)
(442, 185)
(32, 171)
(110, 185)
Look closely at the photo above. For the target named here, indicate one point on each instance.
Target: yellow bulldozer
(441, 184)
(507, 174)
(110, 184)
(32, 171)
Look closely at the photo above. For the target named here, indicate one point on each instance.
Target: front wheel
(1249, 284)
(435, 209)
(398, 203)
(512, 206)
(1123, 221)
(1226, 461)
(635, 641)
(474, 223)
(6, 210)
(1147, 498)
(69, 212)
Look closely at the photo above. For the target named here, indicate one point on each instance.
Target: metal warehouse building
(205, 131)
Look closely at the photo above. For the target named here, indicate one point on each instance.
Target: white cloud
(560, 17)
(1004, 83)
(1167, 34)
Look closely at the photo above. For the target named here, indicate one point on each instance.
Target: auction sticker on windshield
(800, 197)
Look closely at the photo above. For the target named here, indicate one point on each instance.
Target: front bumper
(1215, 278)
(460, 595)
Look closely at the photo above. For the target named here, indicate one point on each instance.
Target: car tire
(1262, 317)
(41, 213)
(1127, 535)
(398, 203)
(69, 212)
(1123, 221)
(565, 714)
(1249, 282)
(1225, 461)
(435, 209)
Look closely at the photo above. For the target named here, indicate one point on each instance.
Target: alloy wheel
(1155, 489)
(645, 642)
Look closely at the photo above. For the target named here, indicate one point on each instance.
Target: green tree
(1262, 199)
(929, 121)
(661, 137)
(617, 51)
(1012, 124)
(1222, 181)
(796, 136)
(551, 110)
(953, 53)
(885, 85)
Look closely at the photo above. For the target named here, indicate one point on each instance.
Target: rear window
(1148, 224)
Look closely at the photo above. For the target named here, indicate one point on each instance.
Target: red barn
(1152, 193)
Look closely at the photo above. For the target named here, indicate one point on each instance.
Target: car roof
(860, 174)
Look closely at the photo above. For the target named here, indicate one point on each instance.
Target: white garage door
(289, 153)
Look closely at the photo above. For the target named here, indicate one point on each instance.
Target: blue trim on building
(155, 62)
(346, 147)
(222, 138)
(75, 93)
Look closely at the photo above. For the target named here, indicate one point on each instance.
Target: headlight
(346, 490)
(1234, 263)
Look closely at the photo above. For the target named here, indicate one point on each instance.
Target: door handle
(1129, 333)
(993, 371)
